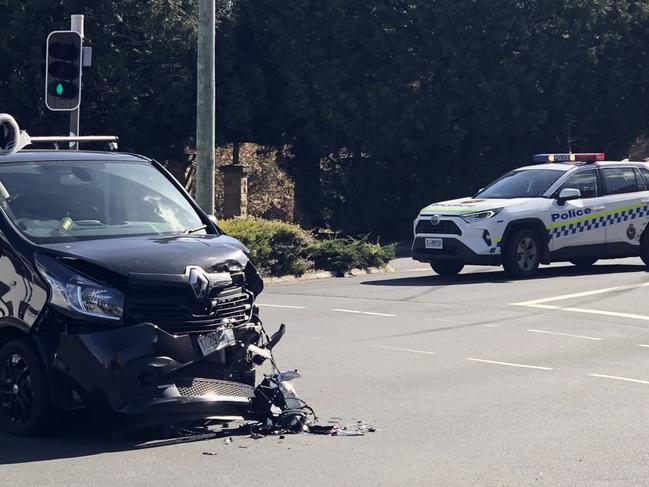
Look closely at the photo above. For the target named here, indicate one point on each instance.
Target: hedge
(278, 248)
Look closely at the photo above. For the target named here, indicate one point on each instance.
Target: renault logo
(198, 281)
(434, 219)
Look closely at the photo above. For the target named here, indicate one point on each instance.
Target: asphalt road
(473, 381)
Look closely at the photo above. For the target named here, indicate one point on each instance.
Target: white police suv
(571, 207)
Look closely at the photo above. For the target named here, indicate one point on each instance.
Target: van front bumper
(142, 370)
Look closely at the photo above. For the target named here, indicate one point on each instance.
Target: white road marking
(542, 303)
(361, 312)
(625, 379)
(491, 326)
(403, 349)
(565, 334)
(644, 346)
(581, 295)
(509, 364)
(281, 306)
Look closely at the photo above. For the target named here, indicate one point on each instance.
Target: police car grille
(444, 227)
(179, 313)
(202, 386)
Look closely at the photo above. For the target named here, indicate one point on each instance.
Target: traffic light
(63, 71)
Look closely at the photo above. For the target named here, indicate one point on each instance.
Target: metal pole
(76, 25)
(206, 106)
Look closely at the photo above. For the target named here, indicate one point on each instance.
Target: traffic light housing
(63, 66)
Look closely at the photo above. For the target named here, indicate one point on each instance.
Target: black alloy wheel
(522, 254)
(24, 396)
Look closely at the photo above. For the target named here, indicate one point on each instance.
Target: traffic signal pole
(76, 25)
(206, 106)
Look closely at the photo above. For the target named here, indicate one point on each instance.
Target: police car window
(58, 201)
(620, 180)
(644, 172)
(584, 181)
(525, 183)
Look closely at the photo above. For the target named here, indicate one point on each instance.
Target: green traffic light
(59, 89)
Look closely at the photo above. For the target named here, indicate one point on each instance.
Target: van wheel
(447, 268)
(522, 254)
(583, 262)
(25, 405)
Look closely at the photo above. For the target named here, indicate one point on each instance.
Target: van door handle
(597, 208)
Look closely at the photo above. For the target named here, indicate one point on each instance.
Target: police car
(568, 207)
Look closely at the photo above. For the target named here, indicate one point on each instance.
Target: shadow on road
(495, 276)
(75, 436)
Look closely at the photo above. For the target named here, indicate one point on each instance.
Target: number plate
(434, 243)
(215, 341)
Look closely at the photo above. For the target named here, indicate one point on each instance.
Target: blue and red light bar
(571, 157)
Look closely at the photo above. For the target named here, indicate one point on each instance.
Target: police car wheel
(522, 254)
(447, 268)
(644, 248)
(583, 261)
(25, 406)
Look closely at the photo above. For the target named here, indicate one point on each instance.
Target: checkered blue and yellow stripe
(597, 220)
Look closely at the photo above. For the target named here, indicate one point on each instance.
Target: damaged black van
(118, 291)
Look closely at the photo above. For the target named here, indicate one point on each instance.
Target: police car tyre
(522, 254)
(644, 248)
(447, 268)
(584, 261)
(25, 407)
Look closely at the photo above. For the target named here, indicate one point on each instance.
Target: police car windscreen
(59, 201)
(526, 183)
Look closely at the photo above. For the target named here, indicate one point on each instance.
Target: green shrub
(340, 255)
(276, 248)
(280, 249)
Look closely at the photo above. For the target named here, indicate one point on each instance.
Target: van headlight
(482, 215)
(78, 294)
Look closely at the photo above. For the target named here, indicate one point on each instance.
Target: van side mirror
(568, 194)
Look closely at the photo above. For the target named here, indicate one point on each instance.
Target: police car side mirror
(568, 194)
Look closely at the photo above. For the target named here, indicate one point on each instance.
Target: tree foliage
(386, 105)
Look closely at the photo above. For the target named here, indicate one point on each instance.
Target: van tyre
(25, 406)
(447, 268)
(522, 253)
(583, 262)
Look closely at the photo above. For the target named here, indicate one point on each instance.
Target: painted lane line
(280, 306)
(361, 312)
(398, 349)
(616, 314)
(509, 364)
(643, 346)
(581, 295)
(565, 334)
(625, 379)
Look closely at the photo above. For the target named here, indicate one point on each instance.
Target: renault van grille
(202, 386)
(444, 227)
(177, 312)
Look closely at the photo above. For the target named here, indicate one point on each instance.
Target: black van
(117, 291)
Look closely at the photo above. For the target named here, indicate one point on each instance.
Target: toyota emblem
(434, 219)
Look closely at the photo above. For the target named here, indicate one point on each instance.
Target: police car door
(626, 204)
(572, 223)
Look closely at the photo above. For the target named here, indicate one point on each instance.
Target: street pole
(206, 106)
(76, 25)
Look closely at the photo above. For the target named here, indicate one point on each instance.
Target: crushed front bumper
(142, 370)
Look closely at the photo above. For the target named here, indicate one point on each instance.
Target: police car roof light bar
(570, 157)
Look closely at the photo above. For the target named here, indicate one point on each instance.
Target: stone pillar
(235, 190)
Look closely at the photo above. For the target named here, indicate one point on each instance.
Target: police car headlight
(483, 215)
(80, 295)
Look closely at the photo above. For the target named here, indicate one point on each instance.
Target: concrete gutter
(312, 276)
